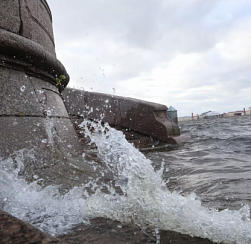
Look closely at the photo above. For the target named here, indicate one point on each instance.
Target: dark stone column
(32, 113)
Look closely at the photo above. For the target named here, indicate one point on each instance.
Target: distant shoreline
(197, 117)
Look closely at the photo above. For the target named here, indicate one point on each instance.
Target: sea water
(214, 163)
(169, 190)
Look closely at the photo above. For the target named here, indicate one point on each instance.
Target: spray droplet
(35, 177)
(22, 88)
(15, 123)
(48, 112)
(44, 141)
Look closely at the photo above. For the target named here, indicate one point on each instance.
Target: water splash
(44, 208)
(144, 198)
(22, 88)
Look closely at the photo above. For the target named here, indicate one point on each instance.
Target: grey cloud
(139, 36)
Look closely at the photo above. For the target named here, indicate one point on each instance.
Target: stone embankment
(144, 123)
(32, 113)
(33, 116)
(15, 231)
(99, 231)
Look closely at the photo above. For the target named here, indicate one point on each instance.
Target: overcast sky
(192, 54)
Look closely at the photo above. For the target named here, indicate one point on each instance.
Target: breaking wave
(144, 198)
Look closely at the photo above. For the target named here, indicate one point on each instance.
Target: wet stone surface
(106, 231)
(7, 9)
(143, 117)
(99, 231)
(15, 231)
(37, 23)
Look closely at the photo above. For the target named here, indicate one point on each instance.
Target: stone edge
(32, 56)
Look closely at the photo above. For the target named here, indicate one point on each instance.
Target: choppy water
(200, 188)
(214, 163)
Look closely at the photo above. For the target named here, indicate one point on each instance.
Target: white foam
(145, 199)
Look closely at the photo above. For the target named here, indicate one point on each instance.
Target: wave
(144, 198)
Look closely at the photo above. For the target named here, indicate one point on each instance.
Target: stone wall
(143, 117)
(30, 19)
(32, 114)
(15, 231)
